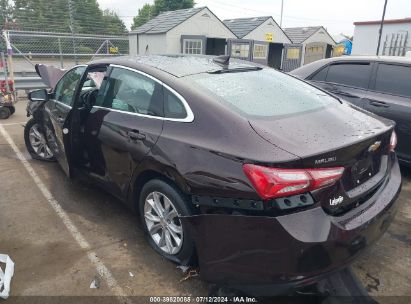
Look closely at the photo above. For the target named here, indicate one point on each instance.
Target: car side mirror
(39, 95)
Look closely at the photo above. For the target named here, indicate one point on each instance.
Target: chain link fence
(61, 49)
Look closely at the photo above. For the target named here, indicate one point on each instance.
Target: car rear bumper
(256, 252)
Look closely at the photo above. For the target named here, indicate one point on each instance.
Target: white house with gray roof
(260, 39)
(187, 31)
(309, 44)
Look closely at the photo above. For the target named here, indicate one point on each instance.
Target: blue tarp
(347, 46)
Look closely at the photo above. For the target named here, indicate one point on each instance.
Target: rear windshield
(263, 93)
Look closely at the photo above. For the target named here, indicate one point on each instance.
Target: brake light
(274, 182)
(393, 141)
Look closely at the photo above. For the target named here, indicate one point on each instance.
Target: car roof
(394, 59)
(308, 69)
(176, 65)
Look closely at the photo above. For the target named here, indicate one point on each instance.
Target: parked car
(381, 85)
(260, 178)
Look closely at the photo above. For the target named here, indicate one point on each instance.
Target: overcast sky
(336, 15)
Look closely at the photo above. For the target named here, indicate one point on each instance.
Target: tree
(5, 12)
(148, 11)
(144, 15)
(53, 16)
(161, 6)
(114, 25)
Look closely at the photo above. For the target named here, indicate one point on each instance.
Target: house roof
(166, 21)
(300, 34)
(242, 26)
(392, 21)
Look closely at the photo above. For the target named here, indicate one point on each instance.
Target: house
(260, 39)
(395, 38)
(308, 44)
(187, 31)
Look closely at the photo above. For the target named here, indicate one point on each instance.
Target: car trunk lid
(332, 137)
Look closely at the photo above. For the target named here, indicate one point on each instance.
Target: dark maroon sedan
(261, 178)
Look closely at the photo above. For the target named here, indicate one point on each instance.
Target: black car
(260, 178)
(381, 85)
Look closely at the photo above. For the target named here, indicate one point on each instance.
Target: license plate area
(362, 171)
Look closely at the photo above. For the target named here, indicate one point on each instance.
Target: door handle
(136, 135)
(342, 93)
(379, 104)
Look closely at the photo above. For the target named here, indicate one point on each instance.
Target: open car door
(60, 113)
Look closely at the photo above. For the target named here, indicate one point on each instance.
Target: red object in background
(3, 87)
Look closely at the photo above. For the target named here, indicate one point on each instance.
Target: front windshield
(263, 93)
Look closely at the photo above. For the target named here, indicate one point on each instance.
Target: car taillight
(275, 182)
(393, 141)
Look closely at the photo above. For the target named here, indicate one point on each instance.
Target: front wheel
(160, 206)
(4, 112)
(36, 142)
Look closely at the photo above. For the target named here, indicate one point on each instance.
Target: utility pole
(72, 29)
(381, 26)
(282, 8)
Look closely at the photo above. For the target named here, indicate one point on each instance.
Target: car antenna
(223, 60)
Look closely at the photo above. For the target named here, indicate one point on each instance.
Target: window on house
(240, 50)
(293, 53)
(260, 51)
(193, 46)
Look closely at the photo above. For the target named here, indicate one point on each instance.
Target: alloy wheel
(38, 142)
(162, 222)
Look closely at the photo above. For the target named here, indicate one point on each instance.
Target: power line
(274, 14)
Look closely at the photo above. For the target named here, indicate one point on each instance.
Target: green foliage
(5, 12)
(53, 15)
(148, 11)
(161, 6)
(144, 15)
(114, 24)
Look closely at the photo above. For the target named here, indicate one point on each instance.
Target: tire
(4, 112)
(12, 110)
(183, 253)
(31, 136)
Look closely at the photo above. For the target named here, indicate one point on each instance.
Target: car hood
(321, 131)
(49, 74)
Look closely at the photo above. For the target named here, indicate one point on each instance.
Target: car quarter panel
(321, 243)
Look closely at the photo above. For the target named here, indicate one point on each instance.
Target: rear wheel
(160, 206)
(36, 142)
(4, 112)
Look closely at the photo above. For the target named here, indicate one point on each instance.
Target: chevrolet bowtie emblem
(374, 147)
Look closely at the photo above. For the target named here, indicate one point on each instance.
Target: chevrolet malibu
(259, 178)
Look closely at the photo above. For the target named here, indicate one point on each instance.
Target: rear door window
(132, 92)
(350, 74)
(320, 75)
(393, 79)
